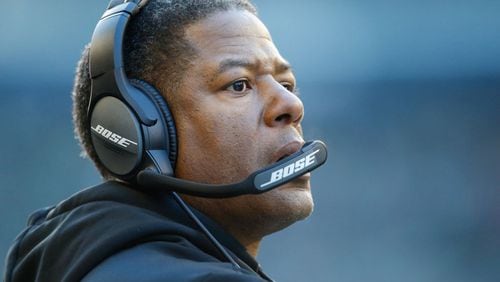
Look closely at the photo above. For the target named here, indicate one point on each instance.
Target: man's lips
(287, 150)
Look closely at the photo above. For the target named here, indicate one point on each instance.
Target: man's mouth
(284, 156)
(287, 150)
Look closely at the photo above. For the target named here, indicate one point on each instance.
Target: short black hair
(155, 50)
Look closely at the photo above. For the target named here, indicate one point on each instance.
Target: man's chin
(300, 183)
(292, 203)
(296, 198)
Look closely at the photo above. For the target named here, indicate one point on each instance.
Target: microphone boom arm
(311, 156)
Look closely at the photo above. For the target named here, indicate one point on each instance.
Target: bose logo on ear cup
(113, 137)
(292, 168)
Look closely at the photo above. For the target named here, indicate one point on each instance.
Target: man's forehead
(233, 24)
(235, 39)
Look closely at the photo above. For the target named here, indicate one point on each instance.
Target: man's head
(233, 100)
(155, 50)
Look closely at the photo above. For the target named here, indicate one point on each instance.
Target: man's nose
(282, 106)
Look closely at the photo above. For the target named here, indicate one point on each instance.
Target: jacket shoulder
(177, 260)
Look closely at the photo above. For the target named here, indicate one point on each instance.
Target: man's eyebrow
(227, 64)
(224, 65)
(283, 66)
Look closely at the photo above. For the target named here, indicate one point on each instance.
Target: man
(234, 102)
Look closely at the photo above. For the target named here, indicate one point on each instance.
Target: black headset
(133, 132)
(131, 126)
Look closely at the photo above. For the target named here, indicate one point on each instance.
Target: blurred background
(405, 93)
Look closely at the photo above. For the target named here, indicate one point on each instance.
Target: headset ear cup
(161, 104)
(116, 136)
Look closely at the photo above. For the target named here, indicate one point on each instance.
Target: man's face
(236, 112)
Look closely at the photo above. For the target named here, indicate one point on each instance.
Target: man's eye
(288, 86)
(239, 86)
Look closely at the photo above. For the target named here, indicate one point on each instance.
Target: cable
(218, 245)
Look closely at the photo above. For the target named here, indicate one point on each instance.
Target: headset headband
(106, 58)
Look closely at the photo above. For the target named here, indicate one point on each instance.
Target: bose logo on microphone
(113, 137)
(292, 168)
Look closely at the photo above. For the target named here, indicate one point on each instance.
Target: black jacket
(112, 232)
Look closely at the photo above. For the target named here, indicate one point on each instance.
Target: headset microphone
(312, 155)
